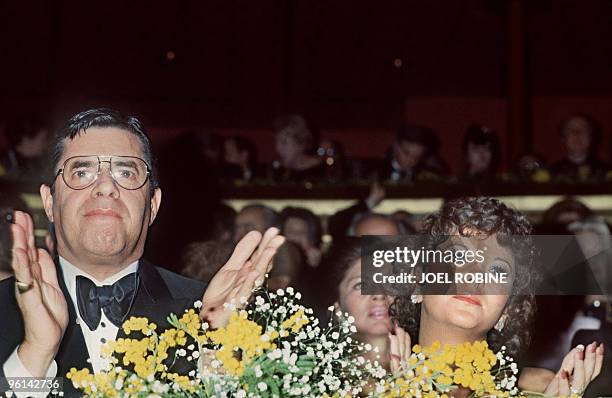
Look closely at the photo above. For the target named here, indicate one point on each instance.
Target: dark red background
(237, 64)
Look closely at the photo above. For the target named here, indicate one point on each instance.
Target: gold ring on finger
(23, 287)
(575, 392)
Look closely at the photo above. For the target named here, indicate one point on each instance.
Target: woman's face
(476, 313)
(371, 312)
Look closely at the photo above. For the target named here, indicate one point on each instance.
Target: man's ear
(47, 199)
(155, 203)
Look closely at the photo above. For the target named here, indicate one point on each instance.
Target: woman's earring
(499, 326)
(416, 298)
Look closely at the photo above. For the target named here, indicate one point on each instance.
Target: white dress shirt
(94, 339)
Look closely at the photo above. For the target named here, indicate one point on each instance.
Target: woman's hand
(579, 367)
(400, 347)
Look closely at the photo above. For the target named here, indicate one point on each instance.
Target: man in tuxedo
(102, 198)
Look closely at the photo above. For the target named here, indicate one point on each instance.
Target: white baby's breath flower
(262, 386)
(197, 304)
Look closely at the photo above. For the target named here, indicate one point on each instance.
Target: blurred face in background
(376, 225)
(232, 154)
(249, 220)
(577, 137)
(371, 312)
(478, 157)
(296, 230)
(287, 147)
(408, 154)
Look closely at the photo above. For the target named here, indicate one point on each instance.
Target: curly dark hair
(482, 216)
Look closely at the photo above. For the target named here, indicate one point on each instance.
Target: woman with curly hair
(500, 319)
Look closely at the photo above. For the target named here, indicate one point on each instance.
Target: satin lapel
(73, 350)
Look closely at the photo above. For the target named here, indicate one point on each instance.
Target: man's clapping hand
(245, 270)
(39, 296)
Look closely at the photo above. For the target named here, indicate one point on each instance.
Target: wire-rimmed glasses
(79, 172)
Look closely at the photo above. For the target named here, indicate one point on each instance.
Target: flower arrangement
(274, 347)
(437, 372)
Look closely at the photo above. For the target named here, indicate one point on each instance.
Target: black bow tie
(115, 300)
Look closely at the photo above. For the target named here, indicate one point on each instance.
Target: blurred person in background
(303, 227)
(8, 203)
(581, 136)
(376, 224)
(239, 160)
(593, 236)
(561, 214)
(294, 146)
(481, 154)
(532, 167)
(26, 154)
(410, 222)
(413, 156)
(337, 166)
(339, 223)
(224, 223)
(288, 267)
(254, 217)
(202, 260)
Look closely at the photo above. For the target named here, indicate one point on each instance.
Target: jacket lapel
(73, 350)
(153, 299)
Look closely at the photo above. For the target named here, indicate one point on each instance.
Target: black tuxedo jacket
(160, 292)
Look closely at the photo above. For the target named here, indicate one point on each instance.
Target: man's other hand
(236, 280)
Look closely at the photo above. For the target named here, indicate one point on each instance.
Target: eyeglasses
(79, 172)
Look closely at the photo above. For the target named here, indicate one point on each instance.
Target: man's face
(103, 224)
(408, 154)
